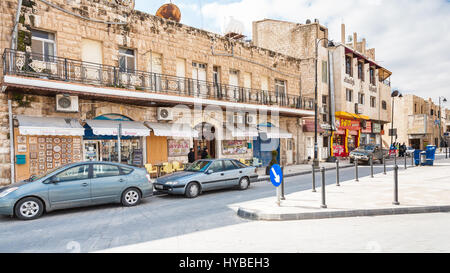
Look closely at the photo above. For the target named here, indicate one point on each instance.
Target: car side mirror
(209, 172)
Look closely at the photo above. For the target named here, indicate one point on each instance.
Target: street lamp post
(394, 94)
(316, 98)
(440, 120)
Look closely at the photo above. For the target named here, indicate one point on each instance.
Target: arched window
(384, 105)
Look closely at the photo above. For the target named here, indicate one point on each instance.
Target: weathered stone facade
(115, 26)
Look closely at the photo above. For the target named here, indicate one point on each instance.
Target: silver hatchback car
(206, 175)
(76, 185)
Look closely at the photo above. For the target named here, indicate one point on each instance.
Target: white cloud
(410, 36)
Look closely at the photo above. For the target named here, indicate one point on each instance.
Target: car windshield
(198, 166)
(37, 177)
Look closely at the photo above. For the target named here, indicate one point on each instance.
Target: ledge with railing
(69, 70)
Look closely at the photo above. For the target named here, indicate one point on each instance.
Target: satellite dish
(308, 21)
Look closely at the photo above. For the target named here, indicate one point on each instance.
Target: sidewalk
(421, 190)
(301, 169)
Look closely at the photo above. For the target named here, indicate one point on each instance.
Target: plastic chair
(151, 170)
(243, 161)
(256, 162)
(177, 166)
(167, 168)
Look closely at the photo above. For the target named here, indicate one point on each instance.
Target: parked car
(76, 185)
(206, 175)
(410, 151)
(364, 152)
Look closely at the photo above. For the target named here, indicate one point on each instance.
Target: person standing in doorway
(205, 154)
(191, 156)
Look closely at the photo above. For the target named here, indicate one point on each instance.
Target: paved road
(103, 227)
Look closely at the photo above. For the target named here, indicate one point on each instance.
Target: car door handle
(85, 184)
(121, 180)
(222, 174)
(240, 171)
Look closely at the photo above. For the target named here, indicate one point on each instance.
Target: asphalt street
(103, 227)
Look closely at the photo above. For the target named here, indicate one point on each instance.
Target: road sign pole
(278, 196)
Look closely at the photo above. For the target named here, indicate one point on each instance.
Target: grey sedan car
(206, 175)
(76, 185)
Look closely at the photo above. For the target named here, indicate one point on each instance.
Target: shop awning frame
(240, 133)
(177, 130)
(49, 126)
(111, 128)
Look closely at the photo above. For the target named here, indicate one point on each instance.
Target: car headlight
(171, 183)
(8, 191)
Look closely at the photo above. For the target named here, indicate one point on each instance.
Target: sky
(411, 37)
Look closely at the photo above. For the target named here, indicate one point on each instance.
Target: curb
(258, 216)
(267, 178)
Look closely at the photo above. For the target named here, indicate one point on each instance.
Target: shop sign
(338, 150)
(348, 124)
(376, 128)
(234, 147)
(178, 147)
(353, 133)
(368, 128)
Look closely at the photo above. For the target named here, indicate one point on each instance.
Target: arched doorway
(206, 139)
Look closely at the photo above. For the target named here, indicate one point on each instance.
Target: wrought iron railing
(69, 70)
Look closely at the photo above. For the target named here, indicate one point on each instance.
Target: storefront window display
(234, 147)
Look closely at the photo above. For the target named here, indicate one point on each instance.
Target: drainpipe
(16, 23)
(11, 142)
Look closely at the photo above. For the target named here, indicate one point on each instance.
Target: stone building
(416, 121)
(82, 69)
(353, 89)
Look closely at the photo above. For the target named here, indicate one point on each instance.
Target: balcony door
(92, 57)
(156, 67)
(199, 79)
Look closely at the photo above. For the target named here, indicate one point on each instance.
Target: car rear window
(239, 164)
(126, 171)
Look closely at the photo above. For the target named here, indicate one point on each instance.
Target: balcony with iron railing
(55, 68)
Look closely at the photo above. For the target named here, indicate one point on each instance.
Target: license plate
(159, 187)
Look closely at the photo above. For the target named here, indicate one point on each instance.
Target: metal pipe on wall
(11, 142)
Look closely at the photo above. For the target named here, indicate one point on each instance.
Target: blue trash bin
(417, 157)
(431, 155)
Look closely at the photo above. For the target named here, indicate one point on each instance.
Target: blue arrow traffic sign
(276, 175)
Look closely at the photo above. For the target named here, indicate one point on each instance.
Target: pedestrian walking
(205, 154)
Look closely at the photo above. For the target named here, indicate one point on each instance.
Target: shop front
(237, 143)
(169, 142)
(101, 140)
(43, 144)
(269, 140)
(347, 136)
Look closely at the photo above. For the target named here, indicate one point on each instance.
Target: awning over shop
(274, 132)
(179, 130)
(49, 126)
(111, 128)
(238, 132)
(351, 116)
(309, 127)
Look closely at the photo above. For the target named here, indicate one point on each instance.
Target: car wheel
(131, 197)
(192, 190)
(29, 208)
(244, 183)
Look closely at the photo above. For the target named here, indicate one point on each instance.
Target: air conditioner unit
(164, 114)
(238, 119)
(66, 103)
(251, 119)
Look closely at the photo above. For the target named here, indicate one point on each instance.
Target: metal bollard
(324, 205)
(282, 185)
(406, 167)
(396, 186)
(313, 178)
(412, 160)
(384, 165)
(356, 171)
(337, 174)
(371, 166)
(446, 153)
